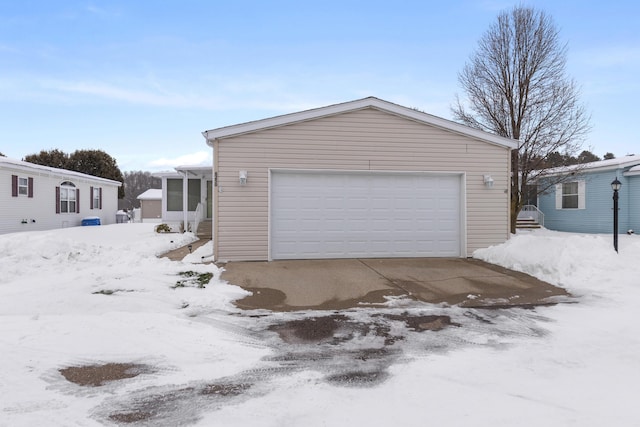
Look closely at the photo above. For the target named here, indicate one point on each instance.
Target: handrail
(198, 217)
(532, 211)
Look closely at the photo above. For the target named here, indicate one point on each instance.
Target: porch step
(527, 223)
(204, 230)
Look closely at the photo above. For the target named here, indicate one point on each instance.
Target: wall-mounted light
(488, 181)
(243, 177)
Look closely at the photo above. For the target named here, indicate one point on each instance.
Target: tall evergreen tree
(92, 162)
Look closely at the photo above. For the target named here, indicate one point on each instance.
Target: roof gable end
(370, 102)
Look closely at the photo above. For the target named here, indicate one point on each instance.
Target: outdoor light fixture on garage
(488, 181)
(243, 177)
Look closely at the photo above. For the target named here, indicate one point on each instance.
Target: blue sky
(142, 79)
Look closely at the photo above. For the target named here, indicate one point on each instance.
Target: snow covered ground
(95, 295)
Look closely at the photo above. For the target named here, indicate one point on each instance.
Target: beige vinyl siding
(367, 139)
(151, 209)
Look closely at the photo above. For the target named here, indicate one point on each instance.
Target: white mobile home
(35, 197)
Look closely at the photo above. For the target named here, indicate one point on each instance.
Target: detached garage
(362, 179)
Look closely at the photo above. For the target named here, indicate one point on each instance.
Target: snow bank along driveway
(95, 329)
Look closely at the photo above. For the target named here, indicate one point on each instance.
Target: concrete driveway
(344, 283)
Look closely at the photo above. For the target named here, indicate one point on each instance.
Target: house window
(570, 195)
(174, 194)
(68, 198)
(96, 198)
(21, 186)
(194, 194)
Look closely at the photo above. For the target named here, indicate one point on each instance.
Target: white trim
(462, 207)
(359, 104)
(582, 201)
(463, 215)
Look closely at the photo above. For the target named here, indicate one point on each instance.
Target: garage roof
(370, 102)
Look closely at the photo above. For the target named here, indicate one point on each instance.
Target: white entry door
(321, 214)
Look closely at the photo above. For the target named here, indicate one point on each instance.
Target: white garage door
(364, 215)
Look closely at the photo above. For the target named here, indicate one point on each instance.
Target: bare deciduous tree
(516, 87)
(136, 183)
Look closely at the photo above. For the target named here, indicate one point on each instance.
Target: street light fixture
(615, 185)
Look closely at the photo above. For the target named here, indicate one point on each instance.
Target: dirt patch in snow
(98, 375)
(423, 323)
(309, 329)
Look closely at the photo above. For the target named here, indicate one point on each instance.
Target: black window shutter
(30, 194)
(14, 185)
(57, 200)
(91, 198)
(78, 200)
(100, 196)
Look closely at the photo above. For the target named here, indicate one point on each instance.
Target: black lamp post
(615, 185)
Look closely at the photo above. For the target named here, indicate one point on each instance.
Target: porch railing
(198, 217)
(532, 212)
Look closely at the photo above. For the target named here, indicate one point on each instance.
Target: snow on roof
(633, 171)
(619, 163)
(358, 104)
(179, 170)
(48, 170)
(151, 194)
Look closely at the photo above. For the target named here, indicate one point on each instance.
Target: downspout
(214, 196)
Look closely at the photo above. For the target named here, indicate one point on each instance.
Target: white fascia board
(167, 174)
(370, 102)
(194, 168)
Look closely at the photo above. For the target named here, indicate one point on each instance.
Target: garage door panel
(343, 215)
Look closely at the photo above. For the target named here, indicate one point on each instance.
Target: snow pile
(100, 294)
(586, 265)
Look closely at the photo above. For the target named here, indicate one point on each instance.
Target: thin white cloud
(133, 96)
(226, 98)
(200, 158)
(610, 56)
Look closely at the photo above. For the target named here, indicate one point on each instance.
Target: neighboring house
(194, 193)
(35, 197)
(150, 205)
(583, 202)
(366, 178)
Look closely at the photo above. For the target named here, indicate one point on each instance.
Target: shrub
(163, 228)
